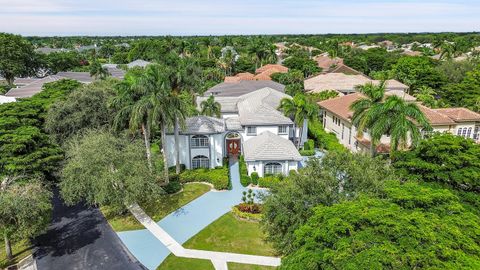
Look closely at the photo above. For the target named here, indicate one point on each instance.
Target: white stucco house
(336, 117)
(250, 125)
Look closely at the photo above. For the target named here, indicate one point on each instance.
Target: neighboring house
(138, 63)
(249, 124)
(242, 87)
(345, 84)
(336, 117)
(326, 63)
(48, 50)
(261, 74)
(34, 86)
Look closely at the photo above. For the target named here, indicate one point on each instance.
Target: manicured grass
(157, 209)
(226, 234)
(20, 250)
(239, 266)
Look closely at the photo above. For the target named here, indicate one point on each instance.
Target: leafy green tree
(306, 65)
(413, 227)
(427, 96)
(300, 109)
(337, 177)
(98, 72)
(210, 107)
(455, 71)
(465, 93)
(63, 61)
(17, 57)
(291, 77)
(85, 108)
(25, 210)
(418, 71)
(104, 170)
(443, 158)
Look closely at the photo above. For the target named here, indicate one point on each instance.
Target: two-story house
(336, 117)
(251, 125)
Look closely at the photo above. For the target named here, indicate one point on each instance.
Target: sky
(227, 17)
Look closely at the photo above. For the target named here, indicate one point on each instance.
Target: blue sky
(218, 17)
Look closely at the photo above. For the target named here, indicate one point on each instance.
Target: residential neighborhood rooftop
(203, 125)
(241, 88)
(269, 147)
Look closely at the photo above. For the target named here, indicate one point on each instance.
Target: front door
(233, 146)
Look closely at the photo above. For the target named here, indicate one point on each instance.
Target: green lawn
(20, 250)
(226, 234)
(157, 209)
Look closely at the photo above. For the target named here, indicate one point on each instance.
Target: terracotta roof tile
(341, 105)
(459, 114)
(276, 67)
(435, 118)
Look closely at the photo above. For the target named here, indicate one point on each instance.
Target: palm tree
(400, 120)
(365, 108)
(210, 107)
(299, 109)
(98, 72)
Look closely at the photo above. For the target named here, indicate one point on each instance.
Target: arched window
(459, 131)
(199, 141)
(469, 132)
(464, 132)
(200, 162)
(273, 168)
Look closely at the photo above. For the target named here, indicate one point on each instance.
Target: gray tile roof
(204, 125)
(268, 146)
(233, 124)
(228, 104)
(32, 88)
(260, 108)
(138, 63)
(241, 88)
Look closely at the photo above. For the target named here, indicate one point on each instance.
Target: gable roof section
(341, 105)
(435, 118)
(345, 83)
(204, 125)
(260, 108)
(270, 147)
(241, 88)
(459, 114)
(31, 89)
(273, 68)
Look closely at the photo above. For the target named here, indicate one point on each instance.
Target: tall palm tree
(299, 109)
(400, 120)
(98, 72)
(210, 107)
(364, 110)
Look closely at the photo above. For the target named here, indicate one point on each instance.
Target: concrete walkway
(184, 223)
(219, 259)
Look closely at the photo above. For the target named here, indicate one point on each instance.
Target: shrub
(254, 178)
(218, 177)
(245, 180)
(269, 181)
(324, 140)
(252, 208)
(173, 168)
(174, 185)
(307, 152)
(309, 145)
(245, 215)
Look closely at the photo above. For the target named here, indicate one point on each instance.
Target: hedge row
(218, 177)
(324, 140)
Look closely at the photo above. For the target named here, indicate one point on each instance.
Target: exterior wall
(287, 166)
(214, 152)
(228, 115)
(261, 129)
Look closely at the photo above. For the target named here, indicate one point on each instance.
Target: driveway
(185, 222)
(80, 238)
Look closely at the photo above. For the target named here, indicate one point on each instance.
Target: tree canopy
(413, 227)
(17, 57)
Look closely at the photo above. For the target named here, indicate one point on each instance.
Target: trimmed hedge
(269, 181)
(245, 180)
(254, 178)
(309, 145)
(324, 140)
(307, 152)
(174, 185)
(218, 177)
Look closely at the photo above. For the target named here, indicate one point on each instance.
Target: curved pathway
(184, 223)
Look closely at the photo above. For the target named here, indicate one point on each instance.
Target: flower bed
(245, 215)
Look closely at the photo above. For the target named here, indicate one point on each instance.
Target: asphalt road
(80, 238)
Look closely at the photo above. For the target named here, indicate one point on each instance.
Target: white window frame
(200, 162)
(199, 141)
(272, 168)
(282, 132)
(249, 130)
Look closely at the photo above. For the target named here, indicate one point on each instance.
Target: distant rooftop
(240, 88)
(138, 63)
